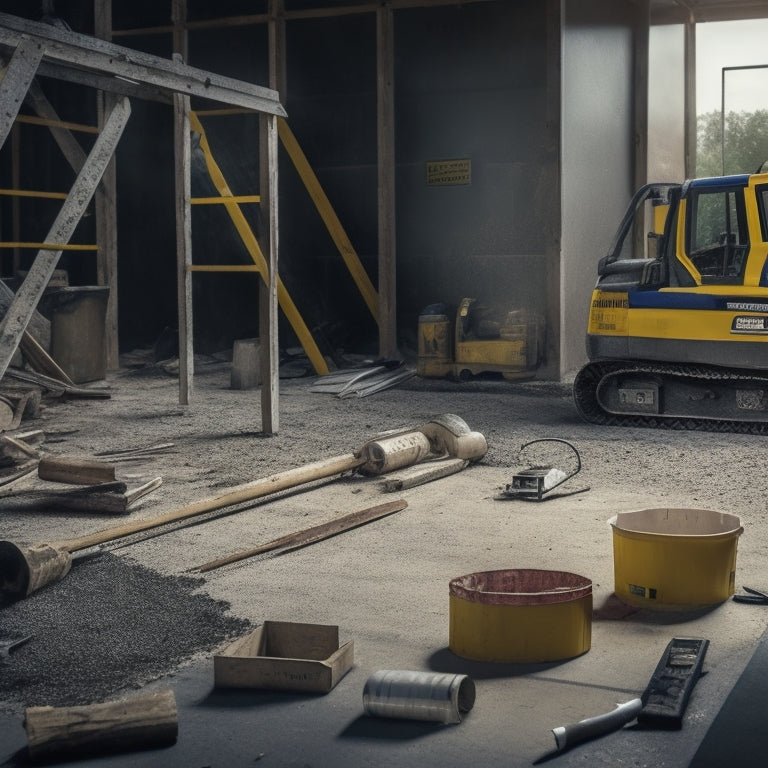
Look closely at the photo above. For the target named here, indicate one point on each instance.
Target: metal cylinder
(434, 696)
(391, 453)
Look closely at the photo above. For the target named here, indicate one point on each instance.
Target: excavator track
(685, 397)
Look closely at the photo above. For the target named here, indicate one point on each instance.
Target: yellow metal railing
(252, 246)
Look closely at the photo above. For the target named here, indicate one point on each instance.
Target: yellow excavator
(678, 323)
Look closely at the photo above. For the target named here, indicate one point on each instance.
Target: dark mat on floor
(736, 736)
(109, 625)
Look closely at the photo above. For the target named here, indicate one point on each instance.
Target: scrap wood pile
(67, 482)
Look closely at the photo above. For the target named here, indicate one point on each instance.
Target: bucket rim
(736, 530)
(580, 587)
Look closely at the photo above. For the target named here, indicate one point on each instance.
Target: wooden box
(285, 656)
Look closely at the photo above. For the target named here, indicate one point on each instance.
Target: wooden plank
(27, 297)
(67, 143)
(78, 471)
(308, 536)
(385, 79)
(15, 81)
(72, 52)
(269, 353)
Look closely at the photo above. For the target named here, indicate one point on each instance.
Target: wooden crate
(285, 656)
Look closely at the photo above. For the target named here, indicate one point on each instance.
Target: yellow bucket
(520, 615)
(674, 558)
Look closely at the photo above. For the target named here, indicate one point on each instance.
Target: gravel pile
(110, 625)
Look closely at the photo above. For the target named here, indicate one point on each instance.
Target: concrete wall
(471, 84)
(597, 152)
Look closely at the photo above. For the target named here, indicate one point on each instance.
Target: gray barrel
(435, 696)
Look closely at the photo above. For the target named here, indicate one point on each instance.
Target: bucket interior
(520, 587)
(677, 522)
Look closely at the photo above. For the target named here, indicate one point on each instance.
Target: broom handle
(253, 490)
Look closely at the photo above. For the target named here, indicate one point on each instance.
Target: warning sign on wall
(441, 173)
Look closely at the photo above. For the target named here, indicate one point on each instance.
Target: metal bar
(224, 268)
(31, 120)
(33, 193)
(18, 75)
(25, 301)
(222, 200)
(331, 220)
(49, 246)
(249, 240)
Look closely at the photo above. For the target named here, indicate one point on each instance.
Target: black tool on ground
(755, 597)
(6, 646)
(662, 705)
(540, 479)
(677, 672)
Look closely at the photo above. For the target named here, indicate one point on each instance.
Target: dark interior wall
(470, 83)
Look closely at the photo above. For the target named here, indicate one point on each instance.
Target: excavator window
(717, 235)
(762, 199)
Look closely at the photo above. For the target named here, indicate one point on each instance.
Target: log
(145, 722)
(68, 469)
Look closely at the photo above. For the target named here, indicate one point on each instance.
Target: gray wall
(471, 83)
(597, 153)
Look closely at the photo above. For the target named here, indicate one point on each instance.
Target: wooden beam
(183, 175)
(83, 53)
(106, 208)
(269, 357)
(385, 87)
(16, 80)
(27, 297)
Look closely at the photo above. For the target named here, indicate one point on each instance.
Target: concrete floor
(385, 585)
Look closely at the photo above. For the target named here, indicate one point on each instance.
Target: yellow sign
(442, 173)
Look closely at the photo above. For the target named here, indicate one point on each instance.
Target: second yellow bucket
(674, 558)
(520, 615)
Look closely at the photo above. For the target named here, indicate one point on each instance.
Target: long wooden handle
(246, 492)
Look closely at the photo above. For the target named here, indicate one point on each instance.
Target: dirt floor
(142, 612)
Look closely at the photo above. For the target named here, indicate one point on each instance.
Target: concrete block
(246, 362)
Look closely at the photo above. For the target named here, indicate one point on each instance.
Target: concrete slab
(386, 584)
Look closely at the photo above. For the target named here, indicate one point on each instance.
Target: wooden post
(270, 376)
(145, 722)
(106, 207)
(183, 155)
(387, 312)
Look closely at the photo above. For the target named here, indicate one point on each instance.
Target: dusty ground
(385, 585)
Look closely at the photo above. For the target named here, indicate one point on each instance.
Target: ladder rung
(225, 199)
(223, 268)
(32, 193)
(50, 246)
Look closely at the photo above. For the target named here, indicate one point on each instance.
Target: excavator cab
(678, 322)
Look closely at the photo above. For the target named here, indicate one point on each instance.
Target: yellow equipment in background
(482, 339)
(678, 321)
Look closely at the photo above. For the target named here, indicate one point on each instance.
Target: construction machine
(678, 322)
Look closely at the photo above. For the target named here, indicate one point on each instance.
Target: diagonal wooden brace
(27, 297)
(14, 83)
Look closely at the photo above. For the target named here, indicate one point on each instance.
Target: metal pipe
(434, 696)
